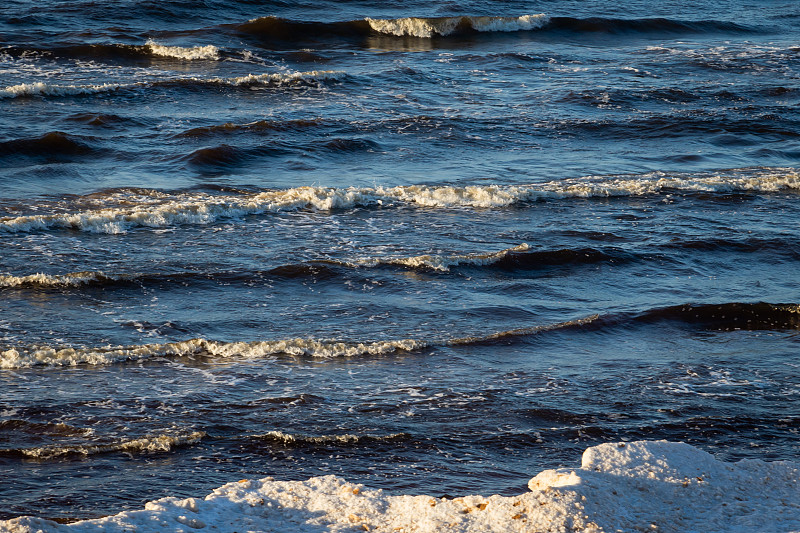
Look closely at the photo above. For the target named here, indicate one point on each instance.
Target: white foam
(287, 78)
(428, 27)
(208, 52)
(288, 438)
(443, 262)
(44, 89)
(28, 356)
(638, 486)
(73, 279)
(279, 79)
(158, 210)
(150, 444)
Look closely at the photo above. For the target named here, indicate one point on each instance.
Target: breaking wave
(443, 26)
(442, 262)
(207, 52)
(158, 209)
(279, 29)
(287, 439)
(314, 78)
(113, 51)
(150, 444)
(72, 279)
(23, 357)
(519, 257)
(724, 317)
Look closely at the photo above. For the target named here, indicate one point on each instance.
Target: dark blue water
(433, 248)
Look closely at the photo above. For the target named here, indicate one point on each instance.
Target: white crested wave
(158, 209)
(288, 438)
(150, 444)
(36, 355)
(46, 89)
(628, 486)
(282, 78)
(428, 27)
(443, 262)
(278, 79)
(23, 357)
(208, 52)
(73, 279)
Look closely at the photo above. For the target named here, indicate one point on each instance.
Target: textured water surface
(434, 248)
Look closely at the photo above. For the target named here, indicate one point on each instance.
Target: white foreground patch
(638, 486)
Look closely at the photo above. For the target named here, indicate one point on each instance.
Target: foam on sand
(637, 486)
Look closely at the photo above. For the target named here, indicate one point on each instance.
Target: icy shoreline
(636, 486)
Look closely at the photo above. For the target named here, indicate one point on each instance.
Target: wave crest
(315, 78)
(443, 26)
(208, 52)
(24, 357)
(288, 439)
(158, 209)
(150, 444)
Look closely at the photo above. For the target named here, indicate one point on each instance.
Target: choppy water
(435, 248)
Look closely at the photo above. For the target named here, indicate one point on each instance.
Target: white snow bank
(638, 486)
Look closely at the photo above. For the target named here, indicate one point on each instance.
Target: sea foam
(149, 444)
(28, 356)
(276, 79)
(158, 209)
(439, 261)
(208, 52)
(443, 26)
(627, 486)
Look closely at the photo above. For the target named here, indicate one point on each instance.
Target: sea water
(431, 249)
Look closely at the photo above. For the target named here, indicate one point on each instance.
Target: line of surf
(721, 317)
(315, 78)
(159, 209)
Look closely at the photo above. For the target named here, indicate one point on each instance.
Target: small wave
(24, 357)
(288, 439)
(44, 89)
(275, 29)
(725, 317)
(351, 145)
(115, 51)
(645, 25)
(150, 444)
(225, 156)
(250, 127)
(443, 262)
(730, 316)
(314, 78)
(443, 26)
(73, 279)
(157, 209)
(53, 145)
(49, 429)
(208, 52)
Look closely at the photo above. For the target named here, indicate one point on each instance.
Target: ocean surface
(434, 248)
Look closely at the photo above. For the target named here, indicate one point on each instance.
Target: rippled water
(431, 248)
